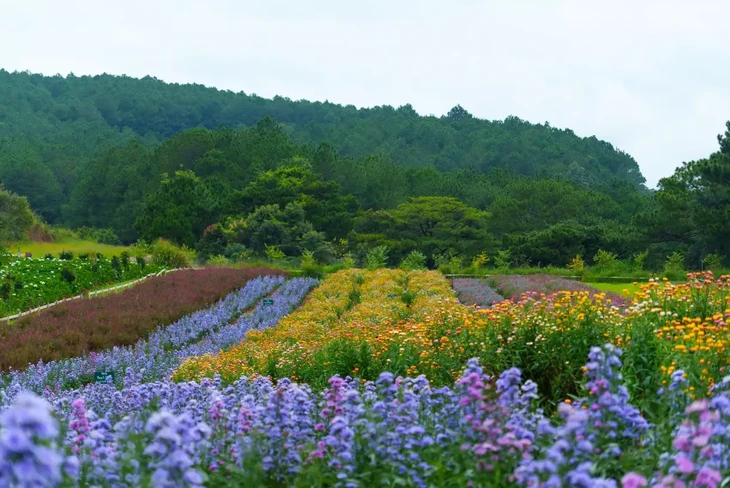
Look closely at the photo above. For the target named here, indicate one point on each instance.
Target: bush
(66, 255)
(415, 260)
(236, 252)
(675, 264)
(376, 258)
(577, 264)
(274, 254)
(639, 260)
(480, 260)
(712, 261)
(164, 253)
(218, 260)
(107, 236)
(102, 236)
(502, 259)
(605, 259)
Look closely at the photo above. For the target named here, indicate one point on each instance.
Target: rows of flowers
(410, 323)
(211, 330)
(349, 325)
(394, 431)
(26, 283)
(74, 328)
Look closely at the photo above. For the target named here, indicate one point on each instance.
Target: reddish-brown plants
(74, 328)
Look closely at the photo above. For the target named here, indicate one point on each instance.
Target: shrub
(480, 260)
(605, 259)
(218, 260)
(712, 261)
(376, 258)
(116, 265)
(236, 252)
(502, 259)
(348, 261)
(66, 255)
(107, 236)
(415, 260)
(577, 264)
(674, 264)
(639, 260)
(124, 260)
(164, 253)
(274, 254)
(67, 275)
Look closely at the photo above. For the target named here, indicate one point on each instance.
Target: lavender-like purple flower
(29, 454)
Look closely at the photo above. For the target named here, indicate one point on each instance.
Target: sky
(650, 77)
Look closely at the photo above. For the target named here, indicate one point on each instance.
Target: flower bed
(390, 432)
(475, 291)
(74, 328)
(347, 325)
(155, 358)
(515, 286)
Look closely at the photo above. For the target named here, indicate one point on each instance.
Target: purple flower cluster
(487, 431)
(474, 291)
(593, 430)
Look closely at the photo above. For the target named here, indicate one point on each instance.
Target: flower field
(515, 286)
(28, 283)
(382, 378)
(73, 328)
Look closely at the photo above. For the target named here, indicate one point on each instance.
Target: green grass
(40, 249)
(616, 287)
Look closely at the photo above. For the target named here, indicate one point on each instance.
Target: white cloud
(650, 77)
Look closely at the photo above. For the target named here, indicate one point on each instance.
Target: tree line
(146, 159)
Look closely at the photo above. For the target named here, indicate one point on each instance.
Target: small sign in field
(104, 376)
(268, 302)
(392, 296)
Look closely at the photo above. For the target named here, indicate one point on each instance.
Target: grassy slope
(40, 249)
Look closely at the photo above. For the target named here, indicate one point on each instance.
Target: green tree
(16, 217)
(179, 210)
(296, 182)
(691, 209)
(435, 226)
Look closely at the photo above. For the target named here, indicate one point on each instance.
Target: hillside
(51, 126)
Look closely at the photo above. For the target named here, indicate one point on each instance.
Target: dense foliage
(239, 176)
(691, 211)
(42, 118)
(16, 217)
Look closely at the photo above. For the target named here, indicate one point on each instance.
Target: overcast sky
(651, 77)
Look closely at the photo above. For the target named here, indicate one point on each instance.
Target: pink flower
(685, 464)
(701, 440)
(698, 406)
(708, 477)
(633, 480)
(682, 443)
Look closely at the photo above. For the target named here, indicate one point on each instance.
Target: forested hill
(64, 119)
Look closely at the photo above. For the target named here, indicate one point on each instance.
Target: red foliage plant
(74, 328)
